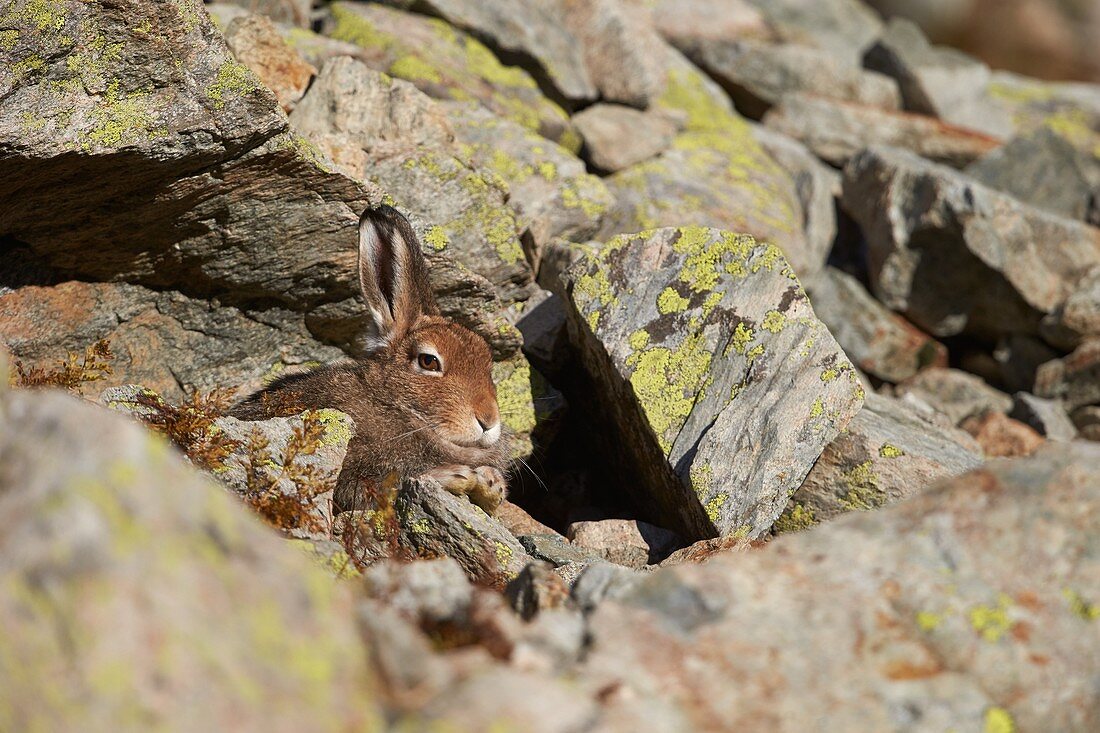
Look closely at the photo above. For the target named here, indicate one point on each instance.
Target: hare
(423, 399)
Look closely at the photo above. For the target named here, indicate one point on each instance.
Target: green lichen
(336, 563)
(742, 337)
(685, 91)
(336, 424)
(47, 16)
(1079, 607)
(991, 622)
(436, 238)
(668, 381)
(863, 491)
(414, 68)
(928, 621)
(639, 339)
(421, 526)
(829, 375)
(504, 553)
(709, 254)
(774, 321)
(795, 518)
(573, 197)
(351, 27)
(817, 409)
(999, 720)
(122, 119)
(669, 301)
(8, 39)
(232, 79)
(514, 397)
(592, 291)
(547, 170)
(890, 451)
(714, 507)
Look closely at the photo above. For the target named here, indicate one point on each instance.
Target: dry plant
(190, 425)
(70, 373)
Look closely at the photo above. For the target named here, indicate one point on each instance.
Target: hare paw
(484, 485)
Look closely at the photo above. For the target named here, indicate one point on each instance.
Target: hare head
(445, 368)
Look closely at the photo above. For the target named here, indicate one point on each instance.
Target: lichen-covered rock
(955, 393)
(844, 28)
(937, 81)
(527, 31)
(616, 136)
(1047, 171)
(131, 586)
(836, 131)
(257, 44)
(960, 608)
(181, 184)
(1071, 110)
(881, 343)
(956, 257)
(163, 339)
(446, 63)
(548, 187)
(385, 130)
(716, 386)
(887, 453)
(687, 23)
(293, 12)
(758, 75)
(434, 523)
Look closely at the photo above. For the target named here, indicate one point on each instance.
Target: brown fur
(406, 421)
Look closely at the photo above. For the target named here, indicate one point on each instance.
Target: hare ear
(393, 275)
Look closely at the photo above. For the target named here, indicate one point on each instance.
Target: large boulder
(971, 607)
(956, 257)
(133, 587)
(715, 387)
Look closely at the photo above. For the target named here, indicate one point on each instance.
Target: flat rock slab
(957, 257)
(955, 393)
(973, 606)
(837, 130)
(717, 385)
(616, 136)
(887, 453)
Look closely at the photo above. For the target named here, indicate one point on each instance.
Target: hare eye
(429, 362)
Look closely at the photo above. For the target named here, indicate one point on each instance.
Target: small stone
(536, 589)
(1074, 379)
(956, 394)
(616, 136)
(1002, 437)
(1047, 417)
(555, 549)
(625, 542)
(257, 44)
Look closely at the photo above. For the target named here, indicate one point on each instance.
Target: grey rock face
(877, 341)
(758, 75)
(836, 131)
(292, 12)
(937, 81)
(957, 257)
(922, 622)
(888, 453)
(526, 32)
(1079, 317)
(723, 386)
(844, 28)
(159, 579)
(1047, 171)
(616, 136)
(955, 393)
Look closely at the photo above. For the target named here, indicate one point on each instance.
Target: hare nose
(486, 423)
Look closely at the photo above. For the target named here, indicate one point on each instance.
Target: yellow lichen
(414, 68)
(1079, 606)
(890, 451)
(436, 238)
(667, 383)
(232, 79)
(863, 490)
(999, 720)
(774, 321)
(991, 621)
(927, 621)
(669, 301)
(795, 518)
(514, 398)
(639, 339)
(714, 507)
(336, 424)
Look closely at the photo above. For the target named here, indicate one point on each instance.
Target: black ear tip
(382, 214)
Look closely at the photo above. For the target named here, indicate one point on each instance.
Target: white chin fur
(490, 436)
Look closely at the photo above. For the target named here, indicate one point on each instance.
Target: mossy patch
(796, 517)
(863, 492)
(998, 720)
(667, 381)
(991, 622)
(233, 79)
(670, 301)
(336, 425)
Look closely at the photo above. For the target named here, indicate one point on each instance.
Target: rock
(1018, 358)
(555, 549)
(434, 523)
(601, 581)
(1045, 170)
(955, 393)
(1071, 110)
(518, 388)
(1079, 317)
(545, 341)
(519, 522)
(292, 12)
(625, 542)
(548, 187)
(1002, 437)
(937, 81)
(429, 593)
(844, 28)
(205, 148)
(913, 616)
(1047, 417)
(527, 33)
(688, 23)
(1087, 420)
(711, 371)
(837, 131)
(163, 339)
(818, 188)
(758, 75)
(888, 452)
(616, 136)
(158, 579)
(256, 43)
(537, 588)
(704, 550)
(957, 257)
(1074, 379)
(385, 130)
(445, 63)
(877, 341)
